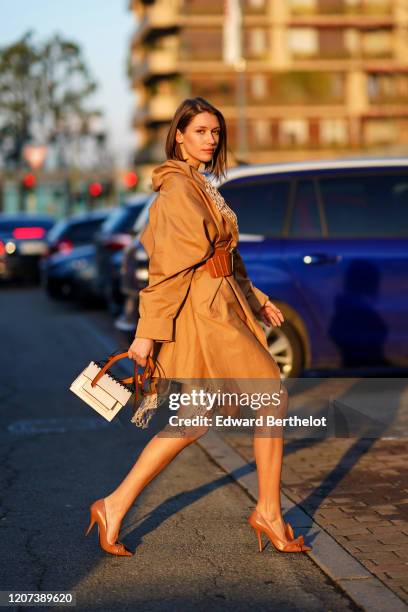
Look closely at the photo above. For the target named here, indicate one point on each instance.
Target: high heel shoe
(290, 533)
(259, 524)
(98, 515)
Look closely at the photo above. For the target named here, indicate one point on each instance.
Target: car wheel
(53, 290)
(286, 349)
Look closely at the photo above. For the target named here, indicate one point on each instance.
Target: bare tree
(44, 93)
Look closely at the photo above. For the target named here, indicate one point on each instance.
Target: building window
(293, 132)
(368, 7)
(258, 86)
(332, 43)
(302, 7)
(352, 41)
(333, 131)
(387, 88)
(380, 131)
(377, 43)
(257, 42)
(262, 135)
(303, 42)
(201, 44)
(256, 4)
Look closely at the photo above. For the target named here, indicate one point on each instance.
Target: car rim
(280, 349)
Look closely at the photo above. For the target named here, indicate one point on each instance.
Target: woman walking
(202, 311)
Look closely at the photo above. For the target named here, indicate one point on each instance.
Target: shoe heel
(260, 546)
(91, 524)
(258, 533)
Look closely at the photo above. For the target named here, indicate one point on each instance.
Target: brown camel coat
(207, 326)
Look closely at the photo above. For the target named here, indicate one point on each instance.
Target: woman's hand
(140, 349)
(271, 315)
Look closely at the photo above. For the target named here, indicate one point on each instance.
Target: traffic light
(130, 180)
(95, 190)
(98, 190)
(29, 182)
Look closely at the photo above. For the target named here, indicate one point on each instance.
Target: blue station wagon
(328, 242)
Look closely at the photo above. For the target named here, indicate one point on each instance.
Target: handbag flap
(106, 384)
(108, 400)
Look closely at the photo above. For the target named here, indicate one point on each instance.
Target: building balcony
(158, 62)
(157, 18)
(367, 22)
(158, 109)
(360, 9)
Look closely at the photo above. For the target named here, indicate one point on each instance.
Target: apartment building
(320, 77)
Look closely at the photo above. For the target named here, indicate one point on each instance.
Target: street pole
(241, 106)
(233, 56)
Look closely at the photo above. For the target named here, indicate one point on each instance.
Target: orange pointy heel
(98, 515)
(91, 524)
(258, 533)
(260, 524)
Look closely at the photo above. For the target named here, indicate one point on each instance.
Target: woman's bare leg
(156, 455)
(268, 452)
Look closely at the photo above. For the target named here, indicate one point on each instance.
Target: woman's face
(200, 139)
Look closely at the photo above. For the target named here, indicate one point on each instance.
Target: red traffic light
(130, 180)
(29, 181)
(95, 189)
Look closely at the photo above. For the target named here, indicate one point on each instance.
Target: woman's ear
(179, 136)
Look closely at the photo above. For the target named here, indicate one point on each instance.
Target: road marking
(56, 425)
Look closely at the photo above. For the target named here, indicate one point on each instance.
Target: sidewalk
(357, 490)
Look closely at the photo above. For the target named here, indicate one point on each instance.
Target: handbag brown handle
(140, 379)
(148, 371)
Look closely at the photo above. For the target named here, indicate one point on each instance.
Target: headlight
(10, 247)
(142, 274)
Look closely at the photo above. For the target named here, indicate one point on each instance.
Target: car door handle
(321, 258)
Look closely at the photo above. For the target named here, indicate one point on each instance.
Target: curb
(360, 585)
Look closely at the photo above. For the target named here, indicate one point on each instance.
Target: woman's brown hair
(186, 111)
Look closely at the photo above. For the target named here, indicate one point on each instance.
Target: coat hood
(171, 166)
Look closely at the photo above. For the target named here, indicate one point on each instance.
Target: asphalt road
(194, 549)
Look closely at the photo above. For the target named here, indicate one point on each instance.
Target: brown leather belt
(220, 264)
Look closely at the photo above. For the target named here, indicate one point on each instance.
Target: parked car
(68, 270)
(113, 236)
(75, 230)
(72, 275)
(22, 244)
(328, 242)
(133, 264)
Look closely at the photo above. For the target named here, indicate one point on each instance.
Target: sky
(102, 28)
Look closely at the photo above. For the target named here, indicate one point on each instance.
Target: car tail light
(28, 233)
(62, 246)
(117, 243)
(2, 249)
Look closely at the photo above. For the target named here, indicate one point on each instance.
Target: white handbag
(101, 390)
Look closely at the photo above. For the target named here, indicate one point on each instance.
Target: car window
(57, 230)
(370, 205)
(259, 203)
(121, 220)
(82, 232)
(305, 218)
